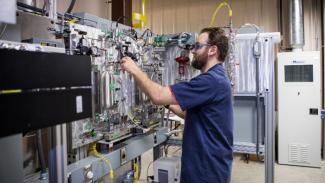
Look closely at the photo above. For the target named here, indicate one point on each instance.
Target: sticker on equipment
(79, 104)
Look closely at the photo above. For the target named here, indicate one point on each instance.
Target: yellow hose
(93, 151)
(136, 169)
(217, 10)
(136, 173)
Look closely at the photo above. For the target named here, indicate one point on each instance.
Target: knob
(90, 175)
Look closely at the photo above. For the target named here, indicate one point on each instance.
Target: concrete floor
(253, 172)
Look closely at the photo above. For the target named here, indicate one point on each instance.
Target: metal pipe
(106, 90)
(258, 105)
(58, 154)
(52, 9)
(28, 2)
(257, 54)
(43, 175)
(296, 25)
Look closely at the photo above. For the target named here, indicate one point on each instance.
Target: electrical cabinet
(299, 104)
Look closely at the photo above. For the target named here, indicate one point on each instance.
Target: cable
(148, 170)
(217, 10)
(136, 170)
(146, 31)
(72, 2)
(123, 17)
(3, 30)
(139, 165)
(176, 126)
(93, 151)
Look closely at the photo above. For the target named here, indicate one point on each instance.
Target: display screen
(298, 73)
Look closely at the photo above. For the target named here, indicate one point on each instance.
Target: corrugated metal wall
(312, 17)
(312, 24)
(172, 16)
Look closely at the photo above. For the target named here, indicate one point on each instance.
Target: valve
(182, 62)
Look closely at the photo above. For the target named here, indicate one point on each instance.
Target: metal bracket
(123, 155)
(88, 174)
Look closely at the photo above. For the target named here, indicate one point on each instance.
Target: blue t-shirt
(208, 133)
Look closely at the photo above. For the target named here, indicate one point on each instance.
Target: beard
(199, 61)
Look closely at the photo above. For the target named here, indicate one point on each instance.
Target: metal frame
(133, 148)
(58, 154)
(323, 61)
(75, 172)
(269, 101)
(269, 135)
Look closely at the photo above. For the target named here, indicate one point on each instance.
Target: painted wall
(100, 8)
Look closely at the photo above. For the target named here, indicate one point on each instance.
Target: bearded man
(205, 104)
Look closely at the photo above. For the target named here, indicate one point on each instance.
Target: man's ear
(213, 50)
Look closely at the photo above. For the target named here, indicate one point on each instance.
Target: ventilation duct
(296, 25)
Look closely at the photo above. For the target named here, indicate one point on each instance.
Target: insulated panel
(22, 112)
(31, 70)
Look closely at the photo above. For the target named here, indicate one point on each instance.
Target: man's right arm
(176, 109)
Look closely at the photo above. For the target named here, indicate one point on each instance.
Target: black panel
(298, 73)
(162, 176)
(29, 70)
(22, 112)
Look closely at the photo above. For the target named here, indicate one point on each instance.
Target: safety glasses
(198, 46)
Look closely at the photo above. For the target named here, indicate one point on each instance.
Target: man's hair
(217, 37)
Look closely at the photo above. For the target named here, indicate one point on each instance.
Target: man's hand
(128, 65)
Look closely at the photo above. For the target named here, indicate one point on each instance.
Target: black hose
(72, 2)
(26, 6)
(123, 18)
(40, 151)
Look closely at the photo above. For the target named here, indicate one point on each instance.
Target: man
(205, 103)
